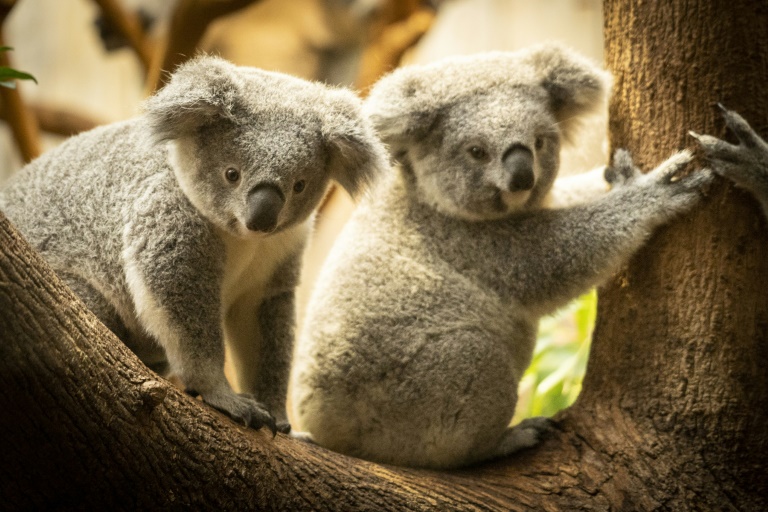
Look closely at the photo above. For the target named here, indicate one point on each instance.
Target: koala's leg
(277, 324)
(243, 335)
(260, 338)
(176, 292)
(525, 434)
(576, 248)
(97, 303)
(746, 163)
(145, 349)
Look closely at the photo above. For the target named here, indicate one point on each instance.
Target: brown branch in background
(21, 121)
(129, 26)
(384, 53)
(57, 120)
(189, 22)
(5, 9)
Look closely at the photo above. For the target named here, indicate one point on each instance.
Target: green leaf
(5, 48)
(7, 73)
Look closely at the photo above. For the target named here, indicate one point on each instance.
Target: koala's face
(479, 135)
(259, 178)
(488, 155)
(254, 151)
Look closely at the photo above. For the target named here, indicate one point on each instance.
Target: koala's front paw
(746, 163)
(244, 409)
(622, 170)
(678, 193)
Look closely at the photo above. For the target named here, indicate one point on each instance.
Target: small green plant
(553, 380)
(8, 76)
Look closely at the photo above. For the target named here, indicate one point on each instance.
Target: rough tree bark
(672, 414)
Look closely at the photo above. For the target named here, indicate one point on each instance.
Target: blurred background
(96, 60)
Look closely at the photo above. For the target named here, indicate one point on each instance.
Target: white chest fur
(251, 263)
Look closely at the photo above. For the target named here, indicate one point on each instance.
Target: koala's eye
(478, 153)
(298, 187)
(539, 143)
(232, 175)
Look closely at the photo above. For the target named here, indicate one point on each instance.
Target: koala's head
(254, 150)
(479, 137)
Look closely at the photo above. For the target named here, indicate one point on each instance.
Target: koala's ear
(400, 110)
(575, 85)
(200, 91)
(357, 155)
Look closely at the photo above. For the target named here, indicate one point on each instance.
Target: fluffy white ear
(405, 104)
(200, 91)
(575, 85)
(357, 155)
(398, 108)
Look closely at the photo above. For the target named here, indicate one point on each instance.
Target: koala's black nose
(518, 162)
(264, 205)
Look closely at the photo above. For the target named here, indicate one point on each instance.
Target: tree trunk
(688, 320)
(672, 414)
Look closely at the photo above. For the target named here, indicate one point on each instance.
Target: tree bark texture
(672, 414)
(688, 319)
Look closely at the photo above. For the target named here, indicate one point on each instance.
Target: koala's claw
(740, 127)
(745, 163)
(669, 170)
(622, 170)
(242, 408)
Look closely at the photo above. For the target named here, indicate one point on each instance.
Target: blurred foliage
(8, 76)
(553, 380)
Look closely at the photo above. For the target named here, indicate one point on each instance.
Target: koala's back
(389, 311)
(72, 203)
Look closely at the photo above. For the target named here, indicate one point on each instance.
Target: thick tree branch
(76, 403)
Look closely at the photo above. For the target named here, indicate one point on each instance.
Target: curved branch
(76, 402)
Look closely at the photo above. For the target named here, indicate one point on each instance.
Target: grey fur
(746, 163)
(140, 219)
(425, 314)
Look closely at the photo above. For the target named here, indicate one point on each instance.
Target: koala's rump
(417, 367)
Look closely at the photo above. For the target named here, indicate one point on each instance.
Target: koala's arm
(261, 337)
(558, 254)
(746, 163)
(277, 325)
(173, 265)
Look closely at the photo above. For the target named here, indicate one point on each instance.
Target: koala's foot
(622, 170)
(746, 163)
(525, 434)
(242, 408)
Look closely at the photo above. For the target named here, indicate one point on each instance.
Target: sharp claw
(721, 107)
(273, 427)
(694, 134)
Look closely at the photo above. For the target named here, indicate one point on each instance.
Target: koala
(184, 227)
(425, 314)
(746, 163)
